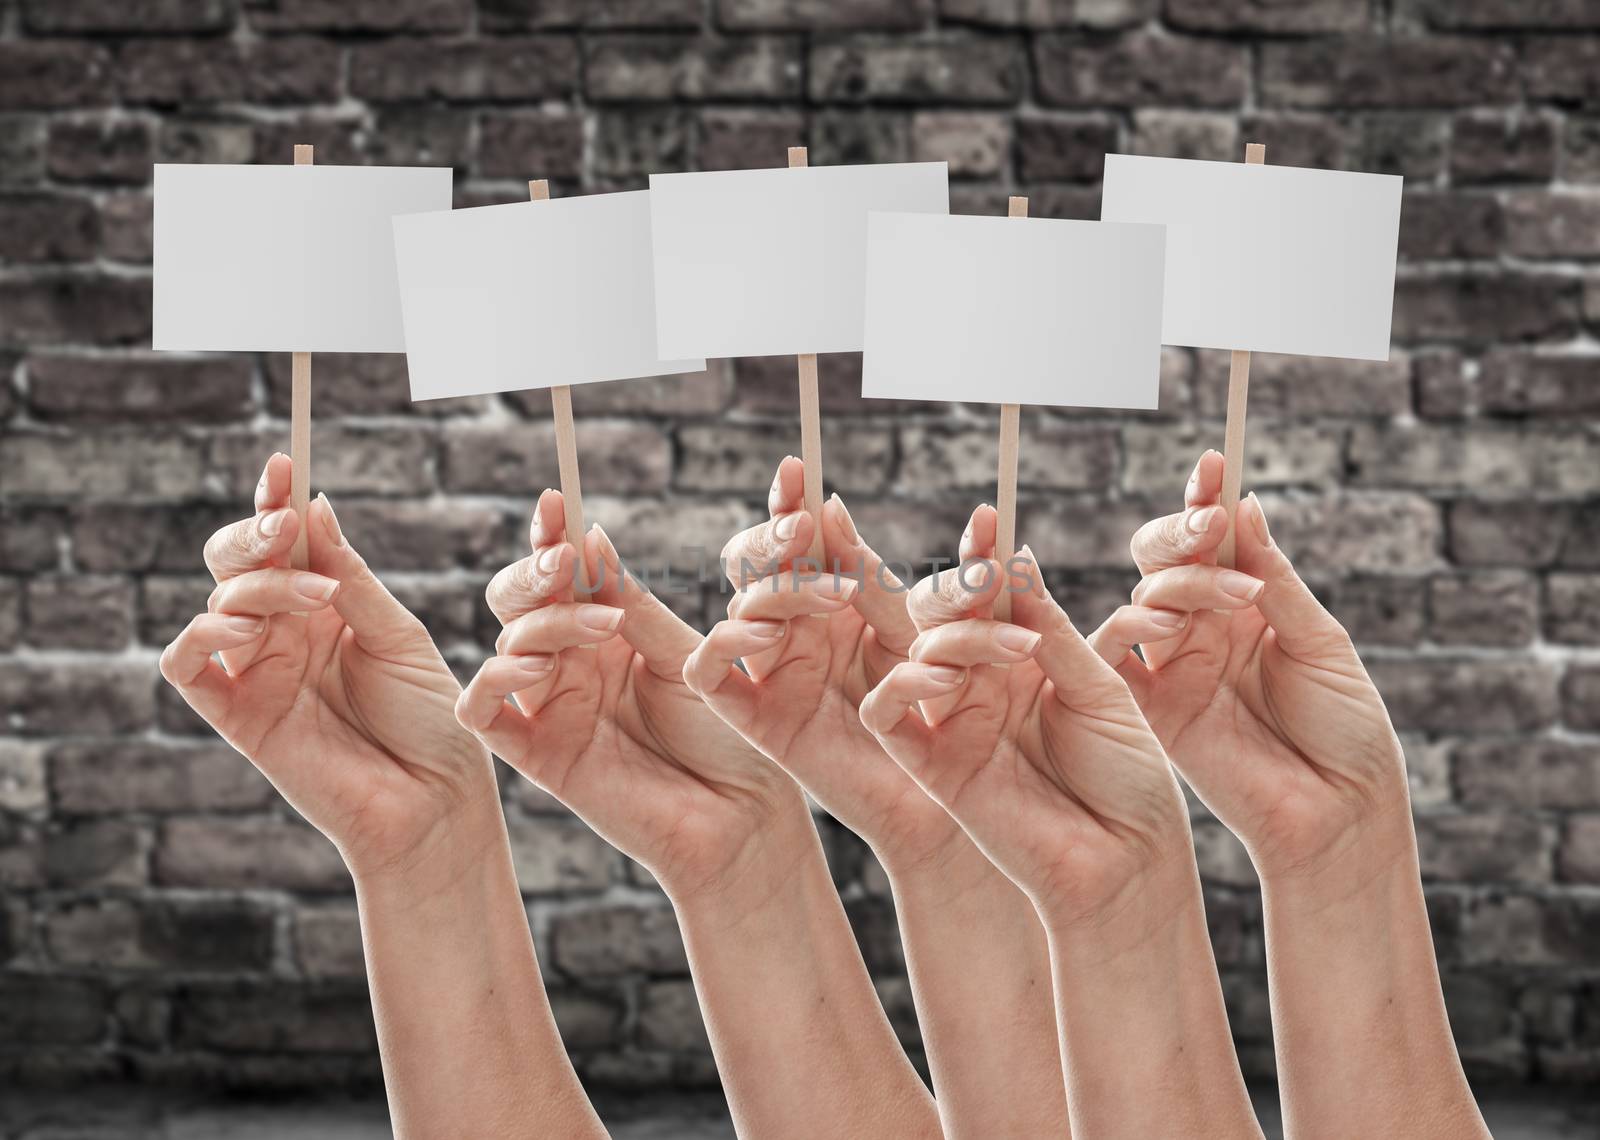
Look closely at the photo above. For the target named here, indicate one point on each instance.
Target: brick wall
(163, 915)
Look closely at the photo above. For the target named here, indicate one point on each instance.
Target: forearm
(1144, 1032)
(800, 1037)
(1363, 1041)
(980, 973)
(468, 1041)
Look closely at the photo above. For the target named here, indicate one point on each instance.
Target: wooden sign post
(1005, 503)
(566, 439)
(810, 422)
(300, 423)
(1238, 397)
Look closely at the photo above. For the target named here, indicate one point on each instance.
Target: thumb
(379, 622)
(656, 633)
(1303, 627)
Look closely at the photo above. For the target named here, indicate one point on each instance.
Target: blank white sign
(1013, 311)
(529, 295)
(770, 262)
(1267, 258)
(283, 258)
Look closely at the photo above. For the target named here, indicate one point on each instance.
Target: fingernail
(1199, 520)
(245, 624)
(1167, 619)
(536, 663)
(271, 525)
(314, 587)
(766, 629)
(549, 560)
(849, 523)
(601, 619)
(947, 674)
(787, 527)
(335, 534)
(1262, 532)
(1237, 585)
(1015, 639)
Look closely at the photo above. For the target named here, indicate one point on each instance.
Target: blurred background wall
(165, 916)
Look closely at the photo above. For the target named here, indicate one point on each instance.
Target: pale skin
(1264, 706)
(337, 694)
(587, 699)
(1035, 746)
(814, 645)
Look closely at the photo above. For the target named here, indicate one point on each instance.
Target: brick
(1505, 774)
(42, 1010)
(1582, 549)
(1186, 134)
(185, 140)
(1512, 382)
(1451, 226)
(1370, 71)
(1159, 459)
(79, 612)
(416, 536)
(1099, 14)
(540, 15)
(587, 1021)
(10, 613)
(1139, 69)
(1503, 929)
(1572, 613)
(95, 853)
(840, 138)
(1545, 225)
(120, 463)
(43, 75)
(352, 459)
(1483, 848)
(115, 151)
(48, 227)
(22, 148)
(1579, 858)
(744, 139)
(1360, 533)
(1307, 387)
(155, 389)
(976, 144)
(658, 68)
(273, 1016)
(327, 941)
(135, 17)
(683, 539)
(81, 308)
(1503, 461)
(669, 1018)
(823, 15)
(1220, 856)
(21, 855)
(618, 940)
(1466, 694)
(742, 458)
(1500, 15)
(1501, 148)
(30, 537)
(559, 854)
(1378, 610)
(520, 459)
(353, 384)
(1562, 69)
(634, 142)
(110, 777)
(1480, 307)
(686, 395)
(162, 934)
(247, 854)
(1498, 608)
(127, 227)
(952, 68)
(945, 457)
(79, 698)
(1580, 698)
(1414, 145)
(361, 15)
(185, 72)
(1427, 771)
(1057, 149)
(22, 777)
(1508, 534)
(1267, 16)
(1298, 139)
(508, 70)
(1580, 161)
(1064, 532)
(521, 146)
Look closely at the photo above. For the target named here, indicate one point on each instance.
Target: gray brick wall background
(164, 916)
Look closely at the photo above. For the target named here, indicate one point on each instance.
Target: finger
(1303, 627)
(1063, 656)
(1132, 626)
(565, 625)
(792, 594)
(1197, 586)
(531, 582)
(251, 543)
(983, 531)
(659, 636)
(787, 492)
(188, 663)
(1205, 481)
(273, 591)
(889, 711)
(1174, 540)
(975, 642)
(485, 708)
(956, 594)
(548, 527)
(712, 670)
(881, 601)
(378, 621)
(764, 550)
(272, 491)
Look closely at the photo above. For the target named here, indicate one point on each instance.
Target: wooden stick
(300, 425)
(1005, 503)
(810, 423)
(1238, 397)
(566, 440)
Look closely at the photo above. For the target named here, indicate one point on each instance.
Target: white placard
(1267, 258)
(1013, 311)
(283, 258)
(771, 262)
(529, 295)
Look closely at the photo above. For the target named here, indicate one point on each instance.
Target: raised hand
(815, 641)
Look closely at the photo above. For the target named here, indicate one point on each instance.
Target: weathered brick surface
(166, 916)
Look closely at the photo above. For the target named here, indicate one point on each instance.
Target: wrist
(1367, 862)
(467, 843)
(1144, 911)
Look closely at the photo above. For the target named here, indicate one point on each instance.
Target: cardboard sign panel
(283, 258)
(1267, 258)
(1013, 311)
(529, 295)
(770, 262)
